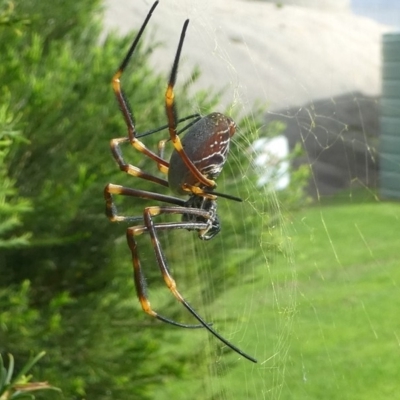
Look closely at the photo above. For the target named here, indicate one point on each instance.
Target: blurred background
(304, 274)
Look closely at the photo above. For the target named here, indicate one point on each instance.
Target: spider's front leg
(131, 169)
(129, 119)
(170, 108)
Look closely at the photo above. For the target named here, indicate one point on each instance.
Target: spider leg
(123, 103)
(196, 116)
(130, 123)
(111, 209)
(161, 143)
(135, 171)
(112, 214)
(138, 276)
(130, 169)
(172, 115)
(133, 136)
(151, 212)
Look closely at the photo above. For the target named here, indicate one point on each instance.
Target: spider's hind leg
(112, 214)
(140, 281)
(191, 214)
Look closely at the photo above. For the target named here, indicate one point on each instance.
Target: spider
(196, 161)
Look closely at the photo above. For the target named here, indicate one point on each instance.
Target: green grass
(324, 323)
(347, 330)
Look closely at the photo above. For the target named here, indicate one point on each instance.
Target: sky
(384, 11)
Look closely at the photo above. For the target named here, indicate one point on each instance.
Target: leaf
(28, 366)
(10, 369)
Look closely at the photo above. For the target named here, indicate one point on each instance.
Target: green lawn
(323, 322)
(346, 336)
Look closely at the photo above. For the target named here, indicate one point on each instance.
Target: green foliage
(18, 322)
(12, 206)
(19, 387)
(57, 80)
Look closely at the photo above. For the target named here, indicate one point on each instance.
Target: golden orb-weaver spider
(196, 161)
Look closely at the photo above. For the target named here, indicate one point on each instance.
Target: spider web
(280, 283)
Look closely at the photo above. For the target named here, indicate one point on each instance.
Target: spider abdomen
(206, 143)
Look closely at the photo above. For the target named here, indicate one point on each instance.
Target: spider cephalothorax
(212, 221)
(197, 159)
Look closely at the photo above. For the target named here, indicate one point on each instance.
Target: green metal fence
(390, 117)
